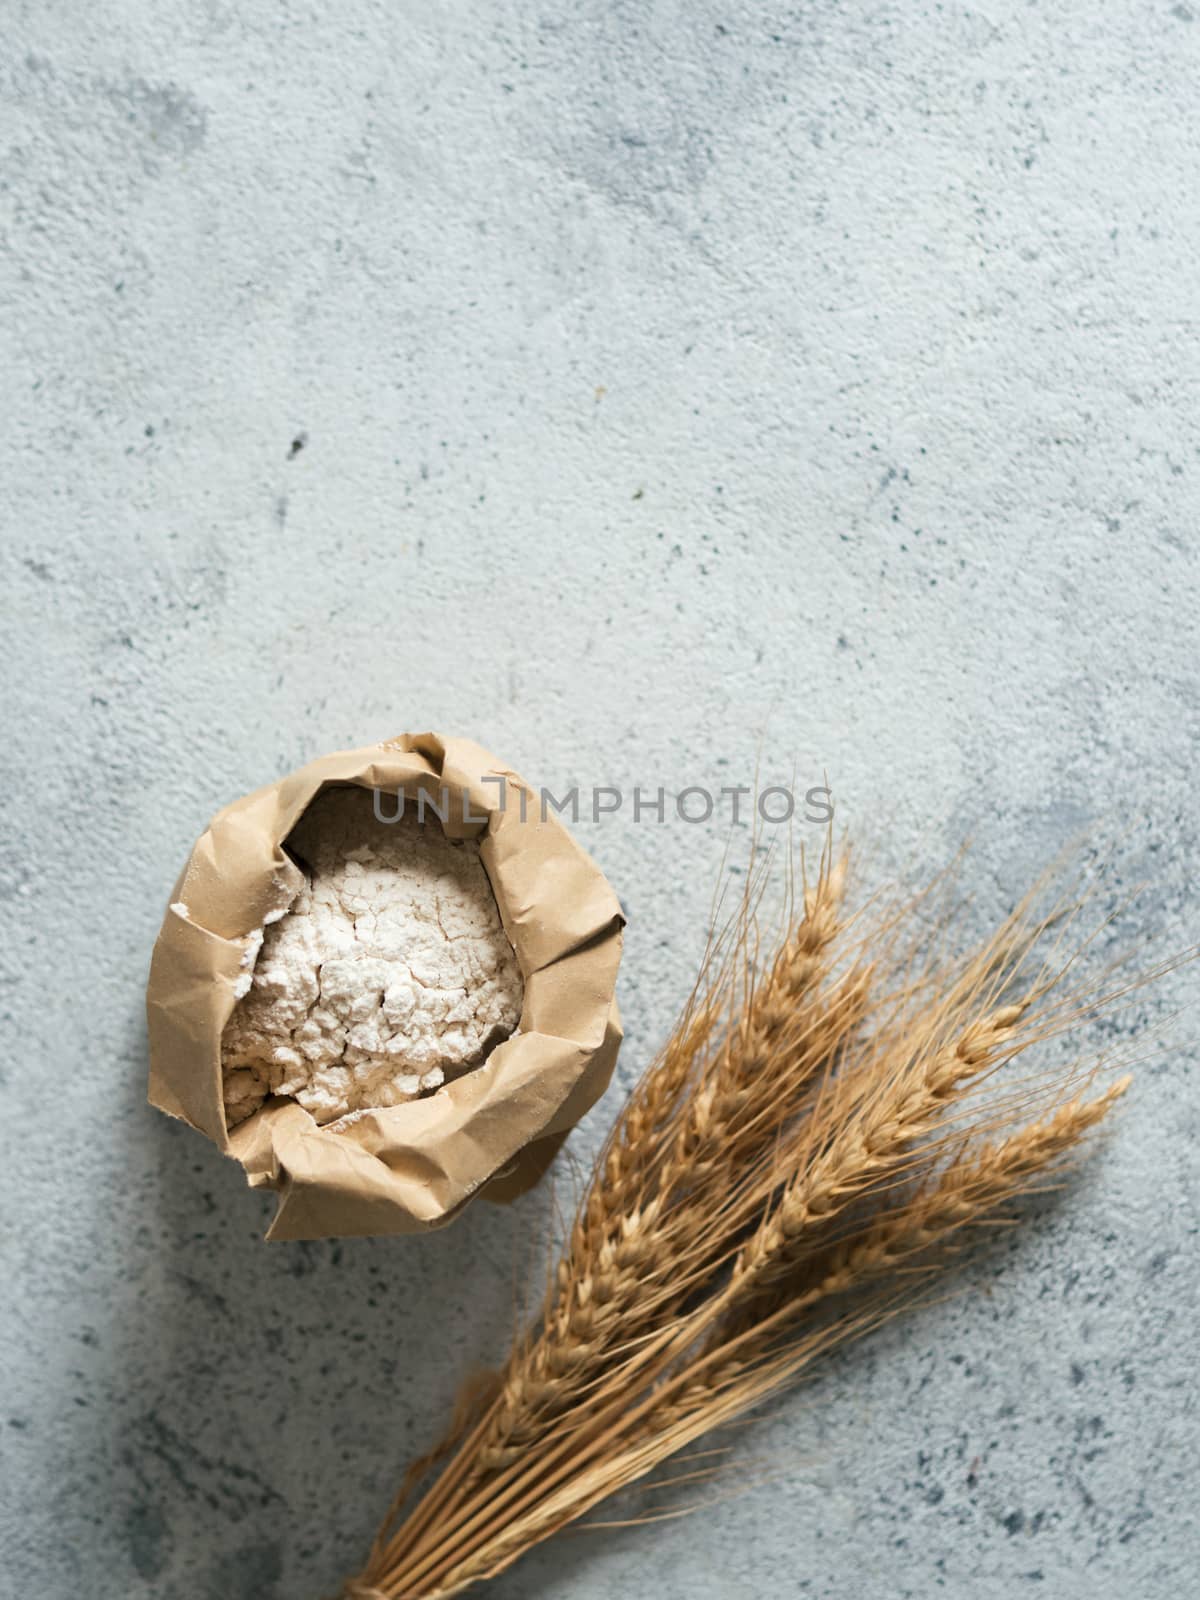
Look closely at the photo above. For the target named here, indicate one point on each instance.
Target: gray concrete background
(645, 389)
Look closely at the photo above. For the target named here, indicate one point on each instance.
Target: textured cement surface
(646, 389)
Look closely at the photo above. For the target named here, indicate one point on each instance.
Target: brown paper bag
(405, 1168)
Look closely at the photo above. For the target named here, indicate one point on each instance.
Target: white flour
(390, 969)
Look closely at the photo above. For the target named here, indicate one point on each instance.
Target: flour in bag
(389, 972)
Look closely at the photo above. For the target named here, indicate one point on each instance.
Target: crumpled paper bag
(405, 1168)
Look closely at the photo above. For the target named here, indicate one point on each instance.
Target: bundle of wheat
(820, 1132)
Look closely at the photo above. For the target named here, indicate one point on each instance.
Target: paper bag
(411, 1167)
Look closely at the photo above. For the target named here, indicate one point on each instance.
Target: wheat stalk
(967, 1193)
(624, 1260)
